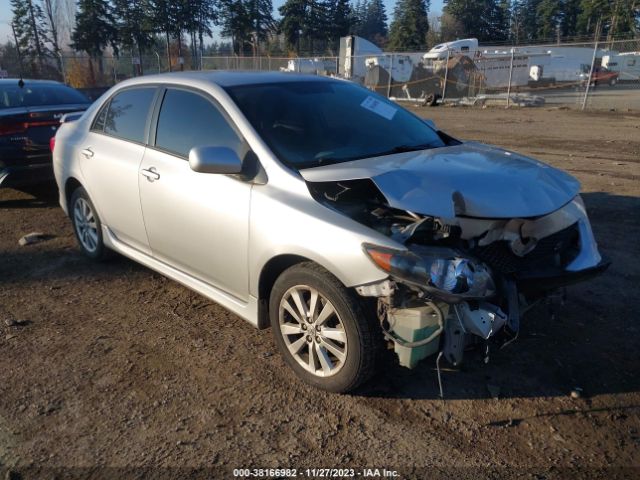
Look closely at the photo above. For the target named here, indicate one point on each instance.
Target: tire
(612, 82)
(362, 339)
(87, 226)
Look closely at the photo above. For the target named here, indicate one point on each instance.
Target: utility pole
(593, 64)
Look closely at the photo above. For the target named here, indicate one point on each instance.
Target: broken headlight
(440, 271)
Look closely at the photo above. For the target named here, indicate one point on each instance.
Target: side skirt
(246, 310)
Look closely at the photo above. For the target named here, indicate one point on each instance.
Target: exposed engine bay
(462, 280)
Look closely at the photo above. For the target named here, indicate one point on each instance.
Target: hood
(470, 179)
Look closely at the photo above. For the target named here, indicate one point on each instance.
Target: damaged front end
(461, 280)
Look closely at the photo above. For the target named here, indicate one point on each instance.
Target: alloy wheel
(85, 224)
(312, 331)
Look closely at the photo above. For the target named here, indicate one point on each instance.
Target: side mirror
(214, 160)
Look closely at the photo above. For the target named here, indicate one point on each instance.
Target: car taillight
(21, 127)
(52, 143)
(12, 128)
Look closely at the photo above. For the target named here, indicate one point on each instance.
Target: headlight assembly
(440, 271)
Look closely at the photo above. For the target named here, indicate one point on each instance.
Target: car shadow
(588, 345)
(35, 196)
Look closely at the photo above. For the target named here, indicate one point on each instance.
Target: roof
(14, 81)
(225, 78)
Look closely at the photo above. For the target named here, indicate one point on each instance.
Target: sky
(5, 14)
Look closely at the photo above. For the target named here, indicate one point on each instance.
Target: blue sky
(5, 14)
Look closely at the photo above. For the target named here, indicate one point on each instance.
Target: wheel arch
(70, 186)
(268, 276)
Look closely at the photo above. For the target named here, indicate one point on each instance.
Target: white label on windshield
(376, 106)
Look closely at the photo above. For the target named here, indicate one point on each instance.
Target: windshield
(12, 96)
(313, 123)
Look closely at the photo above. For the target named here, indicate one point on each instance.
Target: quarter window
(189, 120)
(98, 123)
(127, 114)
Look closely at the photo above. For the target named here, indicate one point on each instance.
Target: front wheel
(321, 329)
(87, 225)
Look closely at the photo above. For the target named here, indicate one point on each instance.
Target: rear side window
(127, 114)
(189, 120)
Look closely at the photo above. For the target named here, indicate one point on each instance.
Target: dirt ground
(112, 371)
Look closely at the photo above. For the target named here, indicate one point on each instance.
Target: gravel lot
(112, 371)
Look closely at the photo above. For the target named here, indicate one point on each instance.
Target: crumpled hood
(471, 179)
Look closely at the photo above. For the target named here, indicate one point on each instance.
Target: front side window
(127, 114)
(189, 120)
(312, 123)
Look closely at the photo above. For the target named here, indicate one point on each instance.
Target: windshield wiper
(405, 148)
(331, 160)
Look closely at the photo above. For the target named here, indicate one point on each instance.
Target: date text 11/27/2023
(314, 473)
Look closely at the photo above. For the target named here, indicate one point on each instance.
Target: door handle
(87, 152)
(151, 174)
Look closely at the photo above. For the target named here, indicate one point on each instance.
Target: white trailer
(626, 64)
(353, 53)
(466, 46)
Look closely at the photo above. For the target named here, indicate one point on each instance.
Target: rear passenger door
(196, 222)
(110, 157)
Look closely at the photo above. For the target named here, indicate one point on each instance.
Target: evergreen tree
(374, 24)
(134, 25)
(487, 20)
(341, 19)
(237, 25)
(616, 17)
(30, 28)
(94, 30)
(568, 23)
(261, 17)
(549, 13)
(294, 13)
(410, 25)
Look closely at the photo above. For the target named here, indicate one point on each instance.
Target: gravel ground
(112, 371)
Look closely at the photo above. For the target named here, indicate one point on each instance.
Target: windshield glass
(313, 123)
(12, 96)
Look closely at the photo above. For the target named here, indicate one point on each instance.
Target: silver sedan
(317, 207)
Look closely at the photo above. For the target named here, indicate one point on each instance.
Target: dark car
(30, 113)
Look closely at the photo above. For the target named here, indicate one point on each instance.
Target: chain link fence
(602, 75)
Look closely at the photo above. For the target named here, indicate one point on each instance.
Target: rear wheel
(87, 225)
(613, 81)
(321, 329)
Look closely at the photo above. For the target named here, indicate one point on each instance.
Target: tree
(95, 30)
(487, 20)
(236, 24)
(52, 27)
(374, 23)
(340, 19)
(30, 29)
(134, 25)
(549, 13)
(410, 25)
(164, 20)
(261, 18)
(294, 16)
(616, 17)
